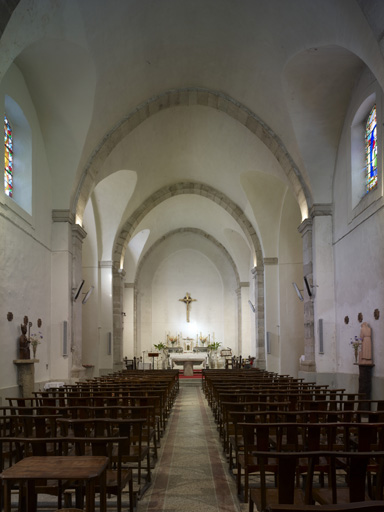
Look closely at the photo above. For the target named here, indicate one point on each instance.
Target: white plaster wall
(358, 247)
(25, 253)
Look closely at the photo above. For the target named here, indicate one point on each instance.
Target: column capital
(305, 227)
(63, 216)
(321, 210)
(78, 232)
(257, 269)
(271, 261)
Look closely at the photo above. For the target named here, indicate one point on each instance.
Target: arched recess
(221, 248)
(190, 97)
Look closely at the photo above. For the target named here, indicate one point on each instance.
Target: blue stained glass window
(8, 158)
(371, 150)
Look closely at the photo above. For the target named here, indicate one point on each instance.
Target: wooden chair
(285, 489)
(354, 485)
(117, 477)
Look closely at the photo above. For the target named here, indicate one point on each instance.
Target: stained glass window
(8, 158)
(371, 150)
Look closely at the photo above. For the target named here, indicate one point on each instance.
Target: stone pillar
(258, 273)
(239, 321)
(118, 294)
(323, 289)
(26, 376)
(78, 235)
(308, 365)
(365, 384)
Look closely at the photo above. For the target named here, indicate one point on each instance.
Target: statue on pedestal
(24, 352)
(365, 356)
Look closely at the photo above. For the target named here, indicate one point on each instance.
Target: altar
(187, 360)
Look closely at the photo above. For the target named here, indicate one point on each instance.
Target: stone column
(308, 365)
(117, 293)
(26, 376)
(239, 321)
(78, 235)
(258, 273)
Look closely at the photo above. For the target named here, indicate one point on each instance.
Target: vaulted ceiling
(247, 98)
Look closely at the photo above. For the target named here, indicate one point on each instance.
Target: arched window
(8, 158)
(371, 150)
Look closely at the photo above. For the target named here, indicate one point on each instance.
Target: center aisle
(191, 473)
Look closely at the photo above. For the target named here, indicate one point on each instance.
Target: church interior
(206, 171)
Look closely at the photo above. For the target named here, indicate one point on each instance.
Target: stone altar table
(187, 360)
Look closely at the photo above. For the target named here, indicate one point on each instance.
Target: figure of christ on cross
(187, 299)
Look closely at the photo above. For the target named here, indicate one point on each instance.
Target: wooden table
(90, 469)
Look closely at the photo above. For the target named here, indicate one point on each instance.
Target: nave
(192, 471)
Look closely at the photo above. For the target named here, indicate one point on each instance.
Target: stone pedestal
(26, 376)
(365, 383)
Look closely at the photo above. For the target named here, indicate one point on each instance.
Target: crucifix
(187, 299)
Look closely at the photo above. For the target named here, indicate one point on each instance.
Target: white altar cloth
(187, 360)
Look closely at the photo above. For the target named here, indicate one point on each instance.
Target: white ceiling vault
(246, 98)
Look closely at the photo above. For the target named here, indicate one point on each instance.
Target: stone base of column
(307, 371)
(26, 376)
(365, 383)
(261, 364)
(77, 373)
(307, 376)
(117, 367)
(307, 366)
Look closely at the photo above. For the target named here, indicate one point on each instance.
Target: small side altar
(26, 376)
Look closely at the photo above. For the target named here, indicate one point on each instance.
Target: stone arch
(190, 97)
(167, 192)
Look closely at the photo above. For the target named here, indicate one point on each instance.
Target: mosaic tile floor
(192, 472)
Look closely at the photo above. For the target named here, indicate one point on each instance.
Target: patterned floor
(191, 473)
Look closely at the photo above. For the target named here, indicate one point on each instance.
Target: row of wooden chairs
(258, 413)
(97, 419)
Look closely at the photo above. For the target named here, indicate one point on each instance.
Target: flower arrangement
(214, 346)
(204, 339)
(173, 339)
(160, 346)
(356, 344)
(34, 340)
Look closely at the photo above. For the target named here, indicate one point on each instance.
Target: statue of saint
(365, 356)
(24, 352)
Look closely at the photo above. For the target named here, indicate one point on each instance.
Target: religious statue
(365, 356)
(187, 299)
(24, 352)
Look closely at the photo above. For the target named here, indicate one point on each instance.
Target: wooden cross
(187, 299)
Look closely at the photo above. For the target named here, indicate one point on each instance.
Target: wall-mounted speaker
(109, 344)
(65, 338)
(307, 285)
(268, 342)
(321, 339)
(78, 290)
